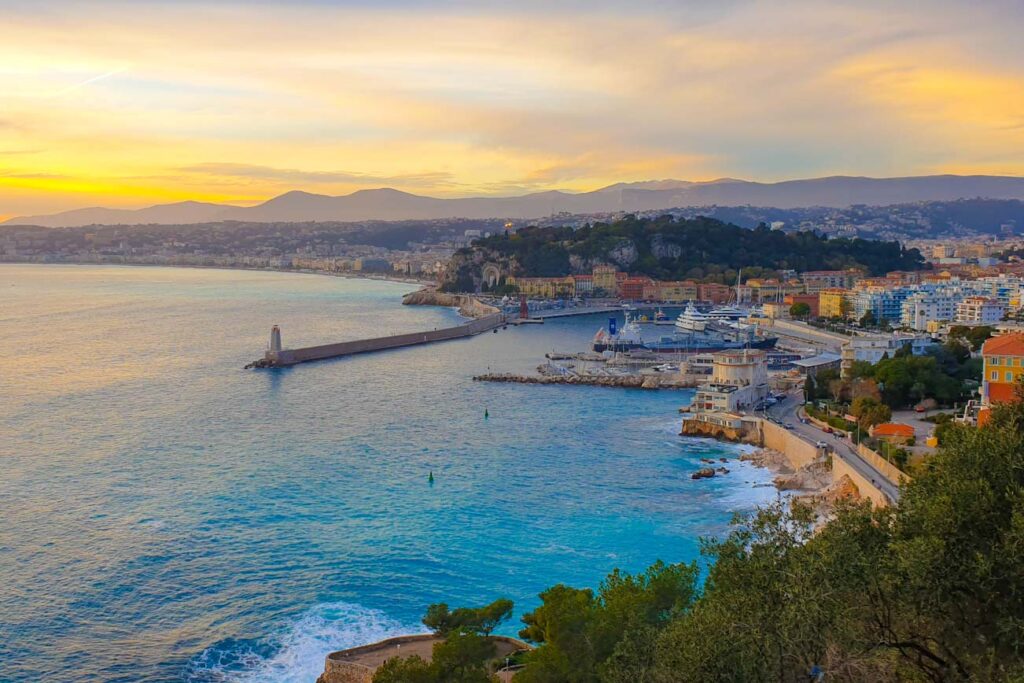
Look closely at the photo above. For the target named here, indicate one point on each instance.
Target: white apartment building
(872, 349)
(979, 310)
(924, 310)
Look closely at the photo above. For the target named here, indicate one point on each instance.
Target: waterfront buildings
(1003, 368)
(739, 380)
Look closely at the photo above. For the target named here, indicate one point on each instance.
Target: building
(882, 301)
(834, 303)
(678, 291)
(633, 287)
(823, 361)
(372, 265)
(979, 310)
(739, 381)
(1003, 368)
(714, 293)
(545, 287)
(584, 284)
(923, 310)
(605, 280)
(893, 433)
(813, 302)
(873, 349)
(815, 281)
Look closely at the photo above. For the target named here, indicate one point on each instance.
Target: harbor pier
(277, 357)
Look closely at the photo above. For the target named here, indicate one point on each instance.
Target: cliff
(467, 305)
(713, 431)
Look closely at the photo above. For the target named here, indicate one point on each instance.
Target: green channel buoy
(486, 414)
(430, 479)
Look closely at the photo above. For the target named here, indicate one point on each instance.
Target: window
(995, 361)
(1009, 376)
(995, 375)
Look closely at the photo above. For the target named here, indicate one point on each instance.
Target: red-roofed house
(893, 432)
(1004, 366)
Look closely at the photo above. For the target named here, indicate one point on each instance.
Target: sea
(166, 515)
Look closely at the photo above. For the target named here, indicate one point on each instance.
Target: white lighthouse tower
(275, 340)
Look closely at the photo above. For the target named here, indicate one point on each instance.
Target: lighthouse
(275, 339)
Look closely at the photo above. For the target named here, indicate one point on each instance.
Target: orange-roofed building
(893, 432)
(1004, 366)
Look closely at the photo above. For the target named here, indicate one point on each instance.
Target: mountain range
(388, 204)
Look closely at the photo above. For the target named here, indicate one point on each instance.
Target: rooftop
(1004, 345)
(893, 429)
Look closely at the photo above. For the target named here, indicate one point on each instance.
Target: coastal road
(786, 412)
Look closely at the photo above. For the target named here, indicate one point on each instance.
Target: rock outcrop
(713, 431)
(468, 306)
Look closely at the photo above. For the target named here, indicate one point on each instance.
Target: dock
(278, 357)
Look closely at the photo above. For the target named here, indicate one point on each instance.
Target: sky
(127, 104)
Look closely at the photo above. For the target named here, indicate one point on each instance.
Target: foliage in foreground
(930, 591)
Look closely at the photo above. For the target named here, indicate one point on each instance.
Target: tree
(868, 319)
(870, 412)
(481, 620)
(578, 630)
(800, 310)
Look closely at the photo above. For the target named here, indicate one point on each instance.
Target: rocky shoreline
(468, 306)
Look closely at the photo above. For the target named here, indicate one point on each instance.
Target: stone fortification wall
(797, 451)
(891, 472)
(866, 489)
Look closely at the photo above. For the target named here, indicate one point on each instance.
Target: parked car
(829, 430)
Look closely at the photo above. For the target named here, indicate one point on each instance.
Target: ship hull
(706, 347)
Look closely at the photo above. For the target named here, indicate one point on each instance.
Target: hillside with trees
(667, 248)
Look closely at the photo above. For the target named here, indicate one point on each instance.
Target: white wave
(298, 652)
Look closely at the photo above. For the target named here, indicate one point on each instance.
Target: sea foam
(295, 654)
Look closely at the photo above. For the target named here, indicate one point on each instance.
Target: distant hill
(390, 205)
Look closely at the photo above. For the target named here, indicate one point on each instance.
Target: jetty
(279, 357)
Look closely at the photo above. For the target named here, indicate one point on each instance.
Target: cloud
(292, 175)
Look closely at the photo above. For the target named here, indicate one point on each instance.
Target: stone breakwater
(621, 381)
(468, 306)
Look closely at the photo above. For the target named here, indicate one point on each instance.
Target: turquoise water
(168, 516)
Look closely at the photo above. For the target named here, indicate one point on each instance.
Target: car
(828, 430)
(788, 425)
(821, 444)
(919, 409)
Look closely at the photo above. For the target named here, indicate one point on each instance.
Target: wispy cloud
(293, 175)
